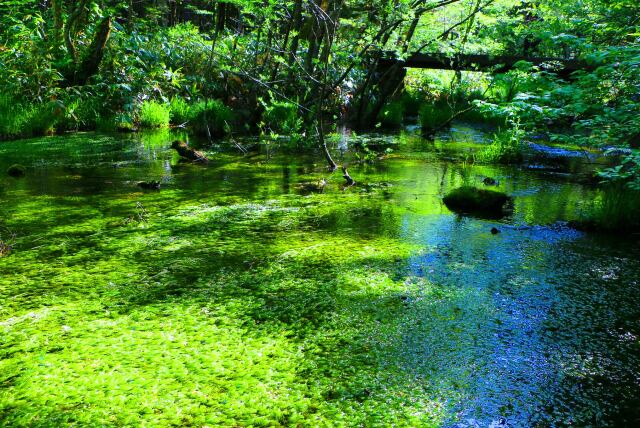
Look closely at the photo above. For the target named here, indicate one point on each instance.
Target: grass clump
(480, 202)
(154, 115)
(211, 117)
(615, 211)
(19, 119)
(181, 111)
(507, 148)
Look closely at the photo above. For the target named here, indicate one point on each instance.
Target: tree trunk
(92, 59)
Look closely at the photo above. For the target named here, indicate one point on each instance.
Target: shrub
(391, 115)
(213, 115)
(12, 117)
(507, 147)
(85, 112)
(154, 115)
(282, 117)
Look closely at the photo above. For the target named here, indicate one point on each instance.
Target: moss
(482, 202)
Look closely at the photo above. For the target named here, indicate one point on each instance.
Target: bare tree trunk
(58, 22)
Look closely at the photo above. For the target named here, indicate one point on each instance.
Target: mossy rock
(479, 202)
(17, 171)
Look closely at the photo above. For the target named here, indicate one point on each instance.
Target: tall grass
(154, 115)
(181, 111)
(12, 117)
(213, 115)
(616, 209)
(22, 119)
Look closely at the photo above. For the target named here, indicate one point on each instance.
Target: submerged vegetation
(230, 297)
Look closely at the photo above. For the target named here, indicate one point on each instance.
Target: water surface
(239, 295)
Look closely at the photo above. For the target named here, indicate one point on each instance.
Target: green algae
(229, 299)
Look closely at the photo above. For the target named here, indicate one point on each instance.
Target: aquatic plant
(507, 147)
(153, 114)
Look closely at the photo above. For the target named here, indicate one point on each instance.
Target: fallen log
(188, 153)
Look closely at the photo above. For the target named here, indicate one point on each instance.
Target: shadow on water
(368, 306)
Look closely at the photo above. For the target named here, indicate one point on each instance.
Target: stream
(241, 294)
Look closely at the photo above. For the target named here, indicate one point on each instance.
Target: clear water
(239, 295)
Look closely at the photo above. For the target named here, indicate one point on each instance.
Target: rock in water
(488, 181)
(312, 187)
(149, 185)
(495, 230)
(17, 171)
(188, 153)
(479, 202)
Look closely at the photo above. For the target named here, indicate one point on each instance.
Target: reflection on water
(536, 326)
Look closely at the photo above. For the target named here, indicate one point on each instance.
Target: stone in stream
(188, 153)
(312, 186)
(495, 230)
(149, 185)
(479, 202)
(17, 171)
(488, 181)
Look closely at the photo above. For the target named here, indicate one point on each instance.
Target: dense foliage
(286, 67)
